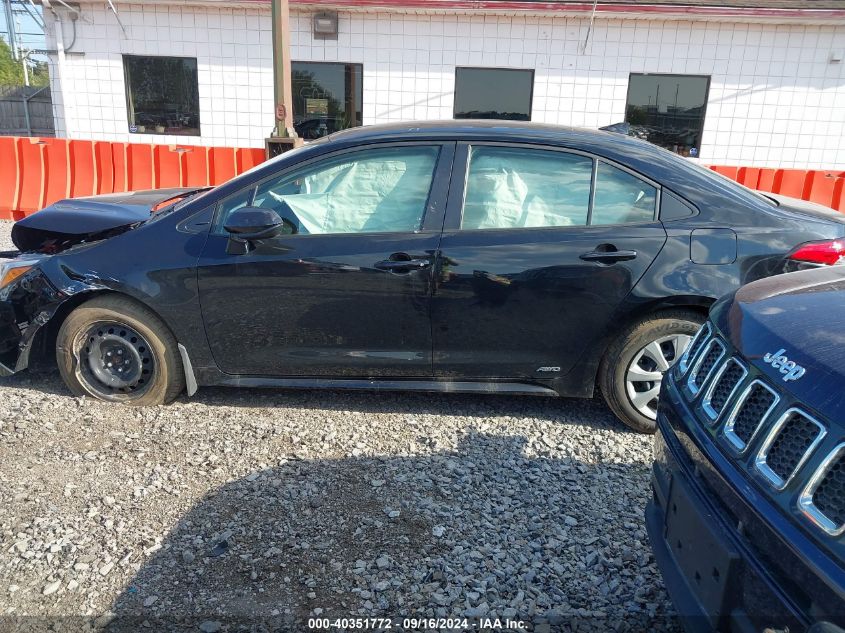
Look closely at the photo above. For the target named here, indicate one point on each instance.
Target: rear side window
(367, 191)
(512, 187)
(515, 187)
(622, 198)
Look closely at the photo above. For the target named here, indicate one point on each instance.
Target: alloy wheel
(645, 371)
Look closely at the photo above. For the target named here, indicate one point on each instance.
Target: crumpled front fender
(25, 308)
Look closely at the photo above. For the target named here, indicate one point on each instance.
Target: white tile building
(775, 98)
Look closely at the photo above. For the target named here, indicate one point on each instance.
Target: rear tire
(116, 349)
(632, 369)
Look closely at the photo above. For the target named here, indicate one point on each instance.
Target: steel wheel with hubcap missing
(645, 372)
(115, 348)
(114, 359)
(633, 366)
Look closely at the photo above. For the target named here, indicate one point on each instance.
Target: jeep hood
(73, 221)
(803, 314)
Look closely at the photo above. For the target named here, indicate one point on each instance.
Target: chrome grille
(788, 445)
(725, 382)
(693, 348)
(752, 408)
(823, 500)
(711, 355)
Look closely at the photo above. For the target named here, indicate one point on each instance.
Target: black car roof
(526, 131)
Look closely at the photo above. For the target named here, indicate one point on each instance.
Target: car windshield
(189, 198)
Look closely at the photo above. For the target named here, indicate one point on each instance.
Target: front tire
(633, 366)
(115, 349)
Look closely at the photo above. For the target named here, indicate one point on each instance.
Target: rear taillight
(820, 253)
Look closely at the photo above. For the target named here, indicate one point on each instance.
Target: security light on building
(325, 25)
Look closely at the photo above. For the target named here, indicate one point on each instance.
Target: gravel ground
(235, 506)
(5, 240)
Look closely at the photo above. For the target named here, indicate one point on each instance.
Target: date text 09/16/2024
(413, 624)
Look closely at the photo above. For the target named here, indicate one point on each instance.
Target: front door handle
(608, 257)
(403, 265)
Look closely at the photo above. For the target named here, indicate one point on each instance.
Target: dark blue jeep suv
(747, 519)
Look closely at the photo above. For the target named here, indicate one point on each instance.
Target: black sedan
(447, 256)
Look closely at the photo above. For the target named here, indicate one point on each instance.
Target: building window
(162, 95)
(327, 97)
(493, 93)
(668, 110)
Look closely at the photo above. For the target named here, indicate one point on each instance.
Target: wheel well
(701, 307)
(44, 344)
(698, 305)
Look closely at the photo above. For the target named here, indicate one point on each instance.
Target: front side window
(512, 187)
(493, 93)
(327, 97)
(668, 110)
(162, 95)
(368, 191)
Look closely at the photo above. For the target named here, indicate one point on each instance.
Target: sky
(30, 34)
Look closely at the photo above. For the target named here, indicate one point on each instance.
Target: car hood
(72, 221)
(800, 316)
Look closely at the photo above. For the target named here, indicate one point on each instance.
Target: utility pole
(24, 59)
(23, 55)
(10, 25)
(284, 136)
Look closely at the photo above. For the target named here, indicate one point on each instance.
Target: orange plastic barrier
(104, 167)
(83, 170)
(56, 155)
(249, 158)
(729, 172)
(748, 176)
(9, 176)
(821, 186)
(221, 164)
(838, 202)
(33, 181)
(169, 167)
(140, 167)
(120, 162)
(195, 166)
(766, 181)
(37, 172)
(790, 182)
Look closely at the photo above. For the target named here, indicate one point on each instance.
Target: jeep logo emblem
(788, 368)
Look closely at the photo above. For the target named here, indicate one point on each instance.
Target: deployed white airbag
(383, 192)
(517, 188)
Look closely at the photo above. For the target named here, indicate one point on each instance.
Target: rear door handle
(608, 257)
(403, 265)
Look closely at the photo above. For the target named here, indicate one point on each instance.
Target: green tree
(11, 70)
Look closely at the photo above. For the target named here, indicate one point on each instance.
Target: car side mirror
(248, 224)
